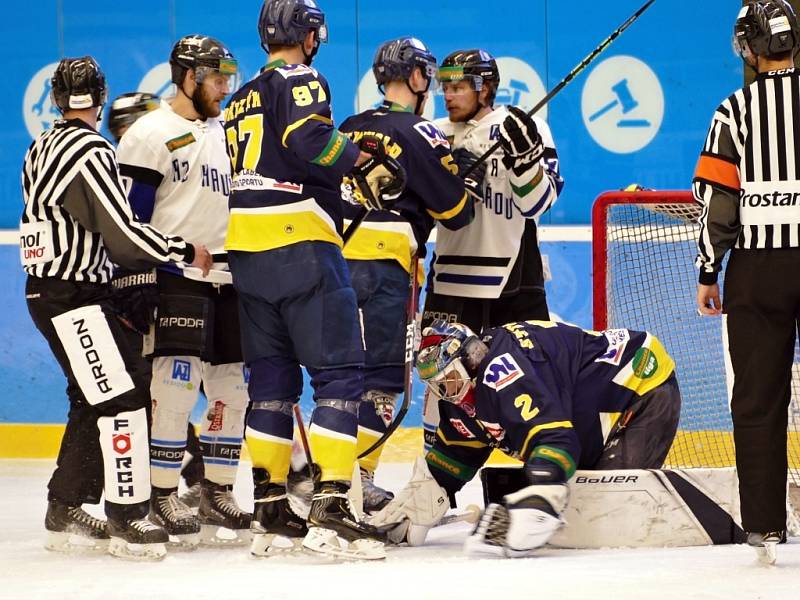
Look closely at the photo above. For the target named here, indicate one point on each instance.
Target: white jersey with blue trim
(476, 261)
(179, 177)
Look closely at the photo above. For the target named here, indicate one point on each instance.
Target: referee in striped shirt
(76, 220)
(748, 182)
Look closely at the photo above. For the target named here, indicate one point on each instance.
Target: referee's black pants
(79, 475)
(762, 303)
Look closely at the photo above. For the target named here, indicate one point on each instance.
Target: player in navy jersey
(381, 252)
(295, 299)
(552, 395)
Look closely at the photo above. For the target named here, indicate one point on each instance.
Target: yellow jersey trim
(449, 214)
(538, 429)
(298, 124)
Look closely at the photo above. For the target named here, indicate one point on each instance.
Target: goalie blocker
(637, 507)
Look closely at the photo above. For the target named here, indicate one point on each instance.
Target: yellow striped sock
(333, 452)
(271, 453)
(367, 437)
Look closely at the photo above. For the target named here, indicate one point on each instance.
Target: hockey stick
(471, 514)
(411, 339)
(304, 441)
(570, 76)
(354, 224)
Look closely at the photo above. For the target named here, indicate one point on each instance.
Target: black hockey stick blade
(564, 82)
(351, 229)
(411, 327)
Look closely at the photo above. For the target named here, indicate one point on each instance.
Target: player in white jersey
(176, 160)
(490, 272)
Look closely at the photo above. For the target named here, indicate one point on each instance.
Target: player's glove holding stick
(521, 141)
(464, 159)
(379, 181)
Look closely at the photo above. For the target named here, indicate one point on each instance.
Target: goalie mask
(287, 23)
(448, 360)
(765, 28)
(77, 84)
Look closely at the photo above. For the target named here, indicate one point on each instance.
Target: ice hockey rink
(437, 570)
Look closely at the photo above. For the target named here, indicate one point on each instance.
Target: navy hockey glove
(521, 141)
(380, 180)
(464, 159)
(135, 298)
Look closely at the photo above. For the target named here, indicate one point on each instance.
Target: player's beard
(461, 113)
(205, 103)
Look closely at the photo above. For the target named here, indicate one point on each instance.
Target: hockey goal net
(645, 279)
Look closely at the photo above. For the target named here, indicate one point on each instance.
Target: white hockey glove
(378, 182)
(521, 141)
(417, 508)
(523, 522)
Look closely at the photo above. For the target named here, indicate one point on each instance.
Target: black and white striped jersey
(748, 175)
(76, 218)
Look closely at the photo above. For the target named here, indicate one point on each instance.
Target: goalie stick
(411, 345)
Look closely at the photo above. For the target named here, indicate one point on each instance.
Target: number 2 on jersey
(524, 402)
(249, 130)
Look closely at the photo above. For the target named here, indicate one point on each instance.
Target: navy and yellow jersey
(547, 392)
(434, 192)
(287, 161)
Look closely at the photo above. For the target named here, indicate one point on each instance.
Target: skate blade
(140, 552)
(216, 536)
(268, 545)
(768, 553)
(73, 543)
(187, 542)
(326, 542)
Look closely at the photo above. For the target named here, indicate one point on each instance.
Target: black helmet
(287, 22)
(127, 108)
(78, 83)
(477, 66)
(395, 60)
(766, 28)
(203, 54)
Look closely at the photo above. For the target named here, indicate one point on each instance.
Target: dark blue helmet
(78, 83)
(287, 22)
(395, 60)
(766, 28)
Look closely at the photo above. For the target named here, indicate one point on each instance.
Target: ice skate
(137, 539)
(276, 528)
(375, 498)
(766, 545)
(72, 529)
(191, 497)
(222, 522)
(336, 531)
(177, 519)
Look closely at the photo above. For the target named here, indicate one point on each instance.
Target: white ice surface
(437, 571)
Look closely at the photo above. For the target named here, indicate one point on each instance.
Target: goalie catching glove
(417, 508)
(521, 141)
(525, 520)
(135, 298)
(378, 182)
(464, 159)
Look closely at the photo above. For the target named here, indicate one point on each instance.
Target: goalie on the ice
(554, 396)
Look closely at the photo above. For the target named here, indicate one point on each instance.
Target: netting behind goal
(645, 279)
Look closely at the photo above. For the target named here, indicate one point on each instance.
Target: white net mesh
(650, 285)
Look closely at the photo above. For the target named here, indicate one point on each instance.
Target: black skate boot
(766, 545)
(276, 528)
(191, 497)
(375, 498)
(137, 539)
(219, 512)
(335, 530)
(177, 519)
(72, 529)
